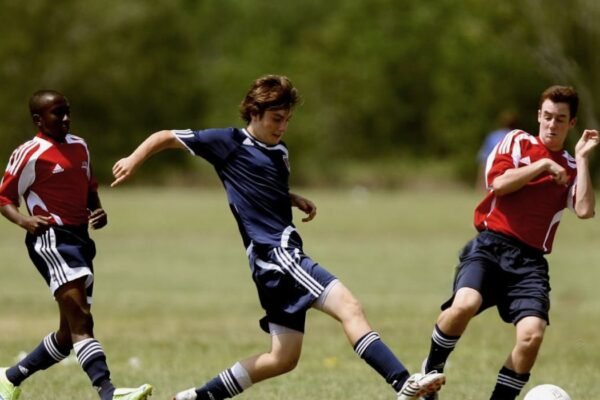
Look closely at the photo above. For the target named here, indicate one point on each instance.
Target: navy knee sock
(45, 355)
(371, 348)
(92, 359)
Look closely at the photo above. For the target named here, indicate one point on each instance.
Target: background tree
(394, 91)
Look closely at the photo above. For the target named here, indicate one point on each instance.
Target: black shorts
(63, 254)
(508, 274)
(288, 283)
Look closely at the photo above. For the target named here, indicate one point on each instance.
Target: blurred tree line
(394, 90)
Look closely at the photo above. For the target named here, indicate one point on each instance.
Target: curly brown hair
(269, 92)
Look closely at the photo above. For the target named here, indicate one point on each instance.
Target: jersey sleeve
(8, 190)
(9, 187)
(214, 145)
(506, 155)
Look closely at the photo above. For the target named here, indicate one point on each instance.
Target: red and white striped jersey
(532, 213)
(54, 179)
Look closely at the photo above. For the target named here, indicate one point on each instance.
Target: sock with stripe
(371, 348)
(92, 359)
(45, 355)
(227, 384)
(509, 384)
(441, 347)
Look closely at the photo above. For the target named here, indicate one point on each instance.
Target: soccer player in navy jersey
(530, 181)
(253, 164)
(52, 173)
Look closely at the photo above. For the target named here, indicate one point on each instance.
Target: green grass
(173, 293)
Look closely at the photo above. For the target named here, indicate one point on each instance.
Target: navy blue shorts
(508, 274)
(288, 283)
(63, 254)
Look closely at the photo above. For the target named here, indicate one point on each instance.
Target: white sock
(241, 376)
(189, 394)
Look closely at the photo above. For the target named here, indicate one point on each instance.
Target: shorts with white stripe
(288, 283)
(63, 254)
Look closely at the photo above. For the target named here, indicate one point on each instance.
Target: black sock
(441, 347)
(509, 384)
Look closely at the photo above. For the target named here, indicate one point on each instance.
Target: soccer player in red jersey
(52, 173)
(530, 181)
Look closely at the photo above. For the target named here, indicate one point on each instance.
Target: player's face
(555, 122)
(270, 128)
(54, 119)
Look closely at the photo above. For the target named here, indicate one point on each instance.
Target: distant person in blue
(253, 165)
(508, 121)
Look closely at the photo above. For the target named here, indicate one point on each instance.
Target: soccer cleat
(431, 396)
(8, 391)
(189, 394)
(141, 393)
(419, 385)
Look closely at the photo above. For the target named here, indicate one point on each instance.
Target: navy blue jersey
(255, 176)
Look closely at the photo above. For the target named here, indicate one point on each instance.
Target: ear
(255, 117)
(573, 122)
(539, 116)
(37, 120)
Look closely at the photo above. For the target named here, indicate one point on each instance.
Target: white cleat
(419, 385)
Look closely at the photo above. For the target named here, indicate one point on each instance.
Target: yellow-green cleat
(141, 393)
(8, 391)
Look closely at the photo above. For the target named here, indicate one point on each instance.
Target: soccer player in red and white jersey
(530, 181)
(52, 173)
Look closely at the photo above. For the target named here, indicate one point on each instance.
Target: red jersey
(532, 213)
(54, 179)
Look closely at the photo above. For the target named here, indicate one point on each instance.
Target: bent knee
(466, 302)
(465, 308)
(285, 364)
(354, 309)
(531, 339)
(81, 322)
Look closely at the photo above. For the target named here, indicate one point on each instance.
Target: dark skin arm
(35, 225)
(98, 217)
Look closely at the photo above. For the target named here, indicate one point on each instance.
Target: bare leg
(514, 375)
(344, 307)
(341, 304)
(454, 320)
(530, 334)
(283, 357)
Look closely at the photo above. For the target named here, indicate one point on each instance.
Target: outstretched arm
(585, 199)
(155, 143)
(305, 205)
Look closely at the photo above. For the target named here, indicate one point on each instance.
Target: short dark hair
(562, 94)
(269, 92)
(36, 101)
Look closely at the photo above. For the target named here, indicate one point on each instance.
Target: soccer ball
(547, 392)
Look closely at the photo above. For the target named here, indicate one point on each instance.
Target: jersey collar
(257, 142)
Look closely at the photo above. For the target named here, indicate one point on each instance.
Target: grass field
(174, 303)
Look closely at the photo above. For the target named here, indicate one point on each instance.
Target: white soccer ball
(547, 392)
